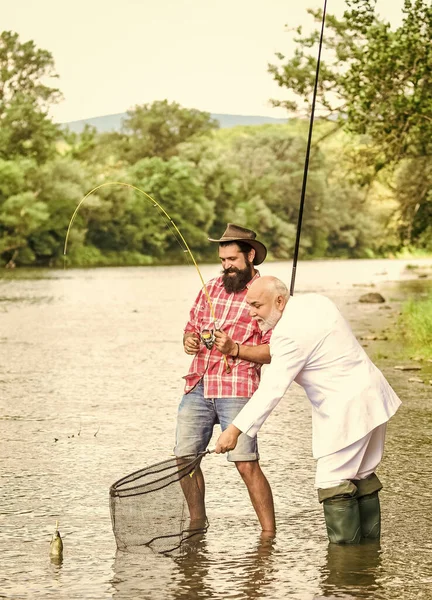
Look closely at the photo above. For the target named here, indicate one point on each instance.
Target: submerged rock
(372, 298)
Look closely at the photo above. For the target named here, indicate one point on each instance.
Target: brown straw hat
(235, 233)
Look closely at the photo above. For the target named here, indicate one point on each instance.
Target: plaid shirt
(232, 316)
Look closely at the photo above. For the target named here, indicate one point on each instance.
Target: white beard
(271, 321)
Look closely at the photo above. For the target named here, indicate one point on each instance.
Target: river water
(90, 377)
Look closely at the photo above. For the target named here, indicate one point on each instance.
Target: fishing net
(159, 507)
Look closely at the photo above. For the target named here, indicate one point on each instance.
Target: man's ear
(251, 254)
(281, 302)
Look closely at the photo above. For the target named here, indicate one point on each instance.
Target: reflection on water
(91, 367)
(193, 572)
(352, 570)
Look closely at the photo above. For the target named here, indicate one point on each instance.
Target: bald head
(270, 285)
(267, 298)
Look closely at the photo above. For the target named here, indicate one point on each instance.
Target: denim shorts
(198, 415)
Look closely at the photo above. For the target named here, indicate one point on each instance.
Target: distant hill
(113, 122)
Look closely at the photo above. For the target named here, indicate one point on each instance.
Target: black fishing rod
(306, 166)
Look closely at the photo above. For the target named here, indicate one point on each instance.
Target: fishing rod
(306, 165)
(177, 230)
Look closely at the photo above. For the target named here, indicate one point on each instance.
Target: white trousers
(357, 461)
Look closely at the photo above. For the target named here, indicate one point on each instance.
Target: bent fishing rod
(176, 229)
(308, 147)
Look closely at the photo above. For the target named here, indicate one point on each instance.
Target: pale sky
(206, 54)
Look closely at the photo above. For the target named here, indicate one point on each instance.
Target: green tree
(157, 129)
(254, 176)
(26, 129)
(177, 187)
(36, 204)
(377, 80)
(15, 221)
(20, 216)
(60, 184)
(413, 189)
(377, 83)
(125, 226)
(218, 179)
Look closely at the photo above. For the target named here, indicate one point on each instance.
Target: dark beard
(237, 282)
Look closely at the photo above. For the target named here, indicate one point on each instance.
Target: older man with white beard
(351, 400)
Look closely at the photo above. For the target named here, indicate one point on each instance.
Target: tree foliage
(356, 205)
(157, 129)
(25, 128)
(255, 175)
(120, 220)
(149, 130)
(376, 82)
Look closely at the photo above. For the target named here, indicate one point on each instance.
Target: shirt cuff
(250, 430)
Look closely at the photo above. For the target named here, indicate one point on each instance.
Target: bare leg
(260, 493)
(193, 487)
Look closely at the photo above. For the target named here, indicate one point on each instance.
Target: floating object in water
(56, 545)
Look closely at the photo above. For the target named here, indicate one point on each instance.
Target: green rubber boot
(341, 513)
(369, 506)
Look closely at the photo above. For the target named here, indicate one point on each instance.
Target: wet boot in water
(341, 513)
(369, 506)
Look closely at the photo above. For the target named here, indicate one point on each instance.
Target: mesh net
(159, 506)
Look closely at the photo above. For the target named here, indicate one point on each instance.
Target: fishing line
(306, 165)
(170, 225)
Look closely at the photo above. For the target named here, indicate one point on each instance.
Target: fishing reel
(208, 338)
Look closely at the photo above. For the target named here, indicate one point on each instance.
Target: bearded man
(228, 349)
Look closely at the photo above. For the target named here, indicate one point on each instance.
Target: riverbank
(415, 322)
(397, 333)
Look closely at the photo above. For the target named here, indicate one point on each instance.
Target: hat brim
(260, 249)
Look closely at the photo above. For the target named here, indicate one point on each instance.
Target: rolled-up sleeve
(287, 360)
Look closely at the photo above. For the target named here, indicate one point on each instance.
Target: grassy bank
(415, 326)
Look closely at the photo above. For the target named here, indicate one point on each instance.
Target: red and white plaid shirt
(232, 316)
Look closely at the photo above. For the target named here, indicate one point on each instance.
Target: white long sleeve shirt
(314, 346)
